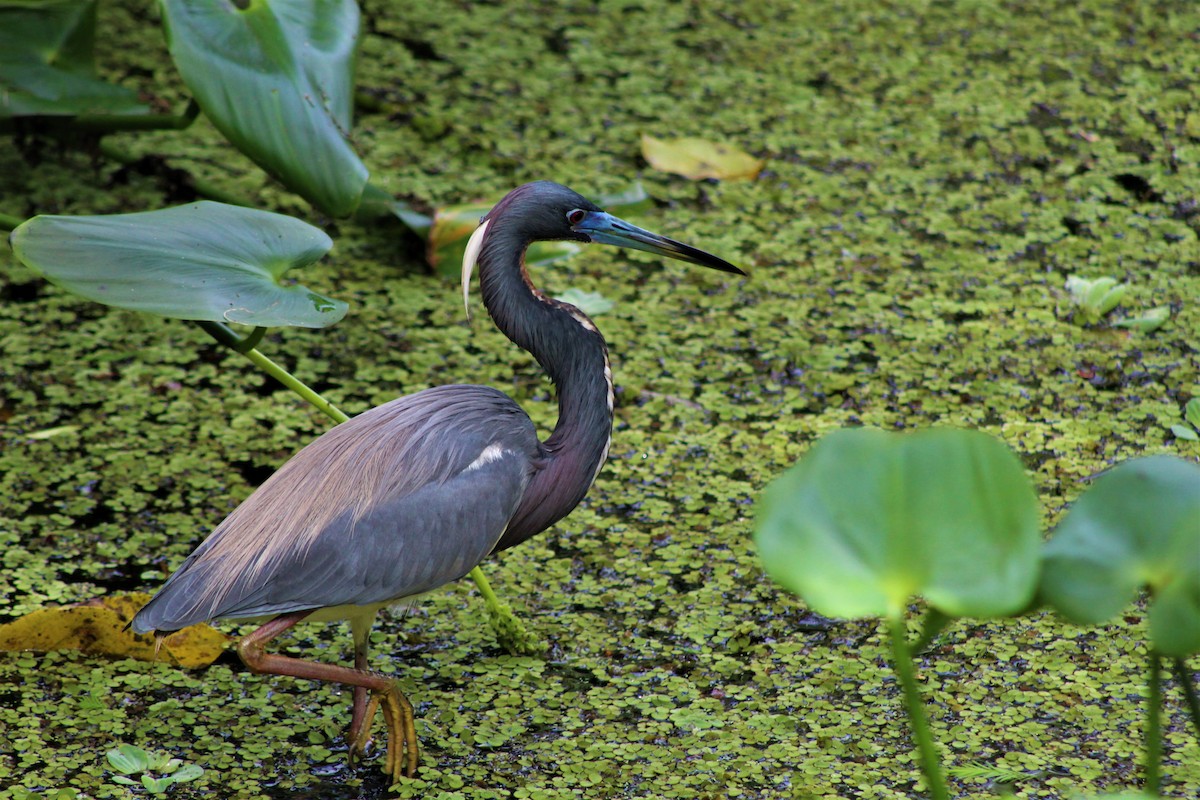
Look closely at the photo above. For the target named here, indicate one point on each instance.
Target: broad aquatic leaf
(47, 66)
(1148, 322)
(634, 199)
(1184, 432)
(1191, 411)
(203, 261)
(276, 78)
(100, 627)
(1137, 527)
(699, 158)
(128, 759)
(868, 519)
(188, 772)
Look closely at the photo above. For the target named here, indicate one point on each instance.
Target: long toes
(403, 755)
(359, 734)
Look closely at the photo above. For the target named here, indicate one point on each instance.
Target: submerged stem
(1184, 679)
(1154, 723)
(922, 736)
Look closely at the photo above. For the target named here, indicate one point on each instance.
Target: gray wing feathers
(398, 501)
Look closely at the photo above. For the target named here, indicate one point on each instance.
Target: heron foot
(403, 752)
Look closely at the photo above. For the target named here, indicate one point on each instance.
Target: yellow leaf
(99, 626)
(452, 227)
(699, 158)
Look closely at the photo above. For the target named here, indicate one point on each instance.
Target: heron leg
(359, 733)
(402, 749)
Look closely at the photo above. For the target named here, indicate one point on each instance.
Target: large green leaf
(1137, 527)
(277, 79)
(203, 261)
(47, 67)
(867, 519)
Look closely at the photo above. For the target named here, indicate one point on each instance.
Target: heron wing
(395, 502)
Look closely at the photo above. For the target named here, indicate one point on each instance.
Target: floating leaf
(699, 158)
(1184, 432)
(1137, 527)
(128, 759)
(1149, 322)
(47, 65)
(1191, 411)
(50, 433)
(204, 261)
(590, 303)
(1095, 297)
(867, 519)
(100, 627)
(276, 78)
(628, 202)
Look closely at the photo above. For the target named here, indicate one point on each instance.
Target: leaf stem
(935, 622)
(922, 736)
(296, 385)
(9, 222)
(1154, 702)
(1184, 679)
(112, 123)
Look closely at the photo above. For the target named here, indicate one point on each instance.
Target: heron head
(544, 210)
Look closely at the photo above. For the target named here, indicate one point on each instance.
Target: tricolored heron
(414, 493)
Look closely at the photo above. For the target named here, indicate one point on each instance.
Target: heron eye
(576, 215)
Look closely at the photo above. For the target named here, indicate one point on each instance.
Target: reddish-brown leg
(402, 754)
(358, 736)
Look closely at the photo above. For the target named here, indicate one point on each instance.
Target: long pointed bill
(607, 229)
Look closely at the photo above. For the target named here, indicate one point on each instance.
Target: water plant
(156, 772)
(868, 519)
(275, 78)
(1094, 297)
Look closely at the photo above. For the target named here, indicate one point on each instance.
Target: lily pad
(47, 63)
(699, 158)
(277, 80)
(868, 519)
(1137, 528)
(202, 261)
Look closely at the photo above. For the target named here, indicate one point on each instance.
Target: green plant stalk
(9, 222)
(935, 623)
(296, 385)
(1184, 679)
(922, 736)
(111, 123)
(1154, 701)
(509, 629)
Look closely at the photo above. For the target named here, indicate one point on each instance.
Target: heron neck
(571, 350)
